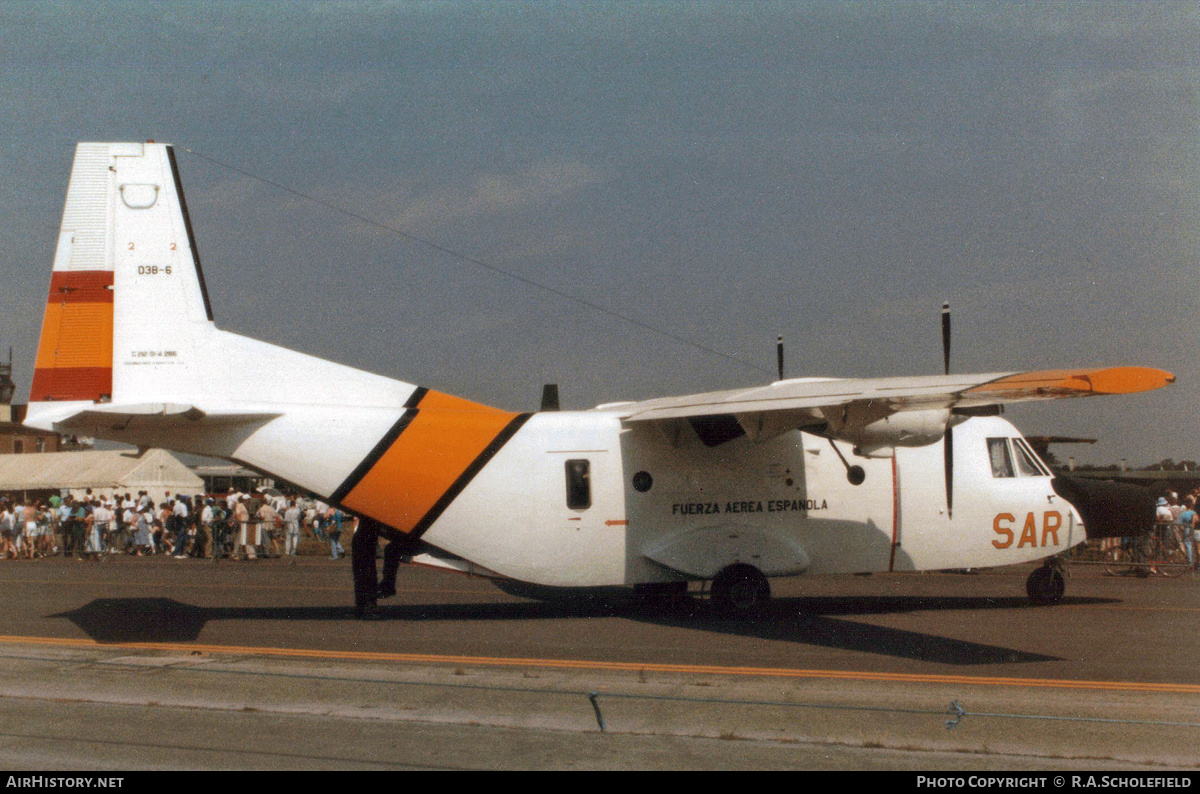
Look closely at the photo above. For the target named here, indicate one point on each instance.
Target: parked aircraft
(800, 476)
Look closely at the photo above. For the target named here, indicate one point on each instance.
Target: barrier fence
(1166, 550)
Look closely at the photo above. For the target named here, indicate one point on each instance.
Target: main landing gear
(739, 591)
(1046, 585)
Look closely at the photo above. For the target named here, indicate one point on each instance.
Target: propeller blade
(948, 447)
(946, 338)
(949, 465)
(779, 355)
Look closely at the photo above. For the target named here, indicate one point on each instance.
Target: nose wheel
(1046, 585)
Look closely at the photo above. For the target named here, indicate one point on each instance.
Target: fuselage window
(1000, 457)
(1027, 462)
(579, 484)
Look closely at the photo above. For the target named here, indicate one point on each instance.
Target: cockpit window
(1027, 462)
(1000, 457)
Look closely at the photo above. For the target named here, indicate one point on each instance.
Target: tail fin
(127, 304)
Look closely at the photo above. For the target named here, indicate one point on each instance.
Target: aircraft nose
(1108, 509)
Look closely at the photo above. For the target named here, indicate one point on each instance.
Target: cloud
(491, 194)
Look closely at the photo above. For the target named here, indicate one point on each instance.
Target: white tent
(155, 471)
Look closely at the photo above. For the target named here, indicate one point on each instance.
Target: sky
(634, 199)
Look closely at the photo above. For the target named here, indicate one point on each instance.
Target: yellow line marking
(585, 664)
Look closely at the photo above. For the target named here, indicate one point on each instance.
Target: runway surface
(155, 662)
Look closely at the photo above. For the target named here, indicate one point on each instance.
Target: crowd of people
(1180, 517)
(236, 526)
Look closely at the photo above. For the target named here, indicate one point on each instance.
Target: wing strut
(855, 474)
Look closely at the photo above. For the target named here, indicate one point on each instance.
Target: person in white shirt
(291, 524)
(179, 515)
(33, 540)
(38, 530)
(8, 523)
(64, 526)
(143, 538)
(129, 519)
(320, 524)
(206, 527)
(92, 529)
(102, 527)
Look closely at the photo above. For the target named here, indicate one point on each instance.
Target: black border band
(465, 478)
(384, 444)
(187, 224)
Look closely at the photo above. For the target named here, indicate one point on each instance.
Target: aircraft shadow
(821, 622)
(126, 620)
(817, 621)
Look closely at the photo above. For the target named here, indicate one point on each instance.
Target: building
(16, 438)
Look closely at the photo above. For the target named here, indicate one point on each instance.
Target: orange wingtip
(1110, 380)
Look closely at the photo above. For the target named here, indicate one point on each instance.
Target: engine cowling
(875, 430)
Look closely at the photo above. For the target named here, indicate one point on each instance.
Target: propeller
(948, 445)
(779, 355)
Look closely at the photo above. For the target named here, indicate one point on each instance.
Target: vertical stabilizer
(127, 304)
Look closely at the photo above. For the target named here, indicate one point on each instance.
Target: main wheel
(1045, 585)
(740, 591)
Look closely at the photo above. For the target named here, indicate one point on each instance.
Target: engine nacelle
(875, 431)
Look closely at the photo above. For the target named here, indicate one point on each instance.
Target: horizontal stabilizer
(151, 415)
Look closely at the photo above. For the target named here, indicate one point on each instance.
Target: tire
(740, 591)
(1045, 586)
(1117, 562)
(1173, 562)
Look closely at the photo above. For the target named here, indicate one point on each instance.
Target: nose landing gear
(1046, 585)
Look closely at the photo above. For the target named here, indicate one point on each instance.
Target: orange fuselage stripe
(445, 436)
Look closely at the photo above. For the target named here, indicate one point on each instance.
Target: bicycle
(1160, 552)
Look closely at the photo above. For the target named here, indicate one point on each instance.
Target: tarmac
(303, 686)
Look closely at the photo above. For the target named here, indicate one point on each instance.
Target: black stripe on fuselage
(465, 478)
(385, 443)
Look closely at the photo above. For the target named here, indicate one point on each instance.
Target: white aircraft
(801, 476)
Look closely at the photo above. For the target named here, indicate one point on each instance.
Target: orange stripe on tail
(75, 352)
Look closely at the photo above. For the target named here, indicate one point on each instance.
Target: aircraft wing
(805, 395)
